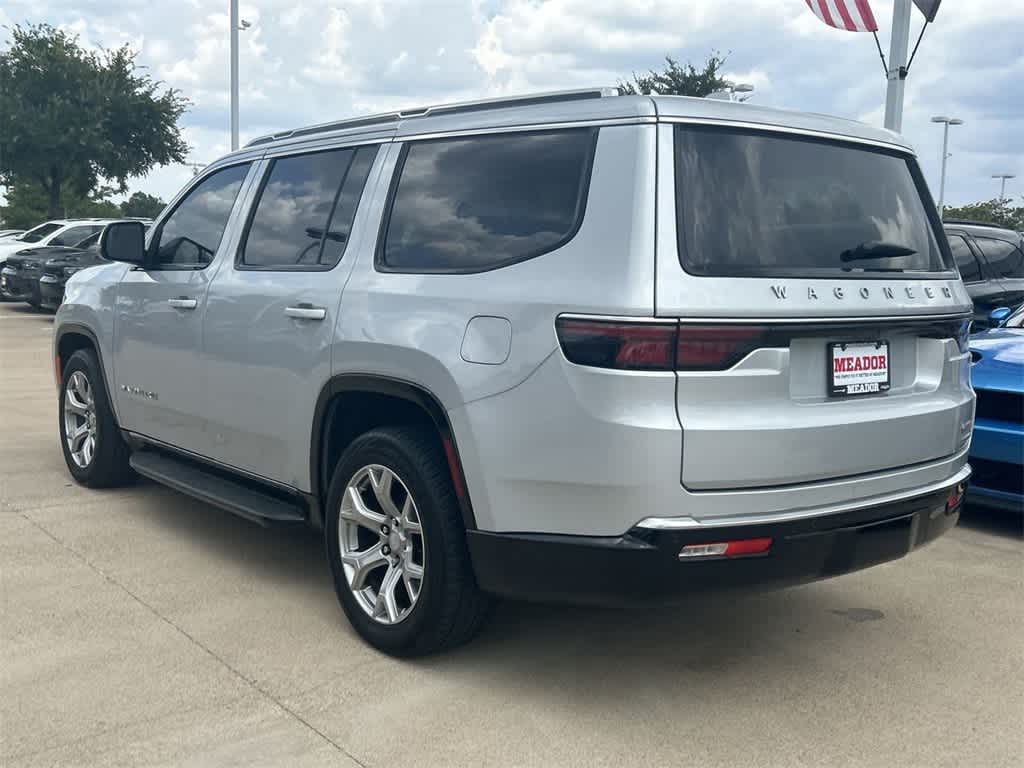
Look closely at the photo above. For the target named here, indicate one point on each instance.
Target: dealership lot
(139, 627)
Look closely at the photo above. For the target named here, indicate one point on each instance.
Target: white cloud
(304, 62)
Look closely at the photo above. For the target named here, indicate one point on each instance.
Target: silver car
(577, 347)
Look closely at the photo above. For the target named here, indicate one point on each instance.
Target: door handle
(306, 312)
(182, 302)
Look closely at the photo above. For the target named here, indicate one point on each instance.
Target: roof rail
(974, 223)
(526, 100)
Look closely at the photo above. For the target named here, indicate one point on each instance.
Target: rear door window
(755, 203)
(305, 209)
(478, 203)
(1005, 258)
(966, 263)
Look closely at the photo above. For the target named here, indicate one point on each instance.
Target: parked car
(991, 262)
(997, 451)
(6, 234)
(59, 233)
(573, 347)
(57, 270)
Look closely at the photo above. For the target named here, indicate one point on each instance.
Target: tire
(106, 464)
(449, 608)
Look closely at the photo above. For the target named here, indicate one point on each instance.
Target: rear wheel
(396, 545)
(94, 451)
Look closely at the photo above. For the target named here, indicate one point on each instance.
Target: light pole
(235, 26)
(947, 121)
(1002, 185)
(897, 74)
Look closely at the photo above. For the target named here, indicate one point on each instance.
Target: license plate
(858, 368)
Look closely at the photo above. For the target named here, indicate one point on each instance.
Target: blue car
(997, 451)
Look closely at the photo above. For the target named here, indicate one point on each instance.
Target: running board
(215, 489)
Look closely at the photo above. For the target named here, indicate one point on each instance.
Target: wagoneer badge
(781, 292)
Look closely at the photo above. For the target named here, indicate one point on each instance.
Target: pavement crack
(192, 639)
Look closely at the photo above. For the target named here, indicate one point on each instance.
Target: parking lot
(139, 627)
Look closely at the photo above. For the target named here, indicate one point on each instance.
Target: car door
(1006, 262)
(271, 311)
(983, 289)
(159, 309)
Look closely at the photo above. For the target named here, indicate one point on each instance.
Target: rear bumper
(644, 563)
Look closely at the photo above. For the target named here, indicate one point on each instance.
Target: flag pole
(897, 65)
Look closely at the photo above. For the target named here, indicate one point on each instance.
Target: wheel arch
(328, 438)
(68, 339)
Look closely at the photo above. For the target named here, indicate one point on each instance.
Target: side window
(305, 209)
(74, 235)
(1004, 257)
(473, 204)
(190, 235)
(970, 271)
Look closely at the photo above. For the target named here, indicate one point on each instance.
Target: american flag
(851, 15)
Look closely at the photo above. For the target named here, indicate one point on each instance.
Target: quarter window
(966, 263)
(1004, 257)
(473, 204)
(305, 210)
(190, 236)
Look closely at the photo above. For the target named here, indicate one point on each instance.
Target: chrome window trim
(689, 523)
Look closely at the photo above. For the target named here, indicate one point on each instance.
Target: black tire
(108, 467)
(450, 609)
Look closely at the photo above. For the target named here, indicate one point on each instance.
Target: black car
(20, 276)
(991, 263)
(56, 271)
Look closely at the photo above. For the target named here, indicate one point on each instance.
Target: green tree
(680, 80)
(27, 204)
(70, 117)
(1002, 213)
(142, 205)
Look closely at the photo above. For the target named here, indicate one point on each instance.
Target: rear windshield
(761, 204)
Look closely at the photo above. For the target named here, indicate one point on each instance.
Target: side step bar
(215, 489)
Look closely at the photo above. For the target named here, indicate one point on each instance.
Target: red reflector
(715, 347)
(57, 368)
(626, 346)
(726, 548)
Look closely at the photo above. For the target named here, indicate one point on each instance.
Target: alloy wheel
(80, 419)
(380, 539)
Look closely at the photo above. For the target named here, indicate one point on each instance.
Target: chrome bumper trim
(683, 523)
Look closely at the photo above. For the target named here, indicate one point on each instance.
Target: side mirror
(998, 316)
(124, 241)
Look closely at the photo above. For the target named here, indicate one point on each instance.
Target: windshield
(36, 234)
(762, 204)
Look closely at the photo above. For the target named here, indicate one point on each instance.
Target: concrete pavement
(141, 628)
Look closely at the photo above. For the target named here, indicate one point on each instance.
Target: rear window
(478, 203)
(759, 204)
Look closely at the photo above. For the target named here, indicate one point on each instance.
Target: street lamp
(948, 121)
(1002, 185)
(235, 26)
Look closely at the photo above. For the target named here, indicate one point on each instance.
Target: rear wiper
(876, 249)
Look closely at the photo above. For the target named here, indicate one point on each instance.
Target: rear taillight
(646, 346)
(626, 346)
(715, 347)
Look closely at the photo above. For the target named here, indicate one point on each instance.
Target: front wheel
(94, 451)
(396, 545)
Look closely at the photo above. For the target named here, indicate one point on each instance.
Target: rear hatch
(821, 332)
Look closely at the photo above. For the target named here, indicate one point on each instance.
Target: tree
(27, 204)
(996, 211)
(680, 80)
(70, 117)
(142, 205)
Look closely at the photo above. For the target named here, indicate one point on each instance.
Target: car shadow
(550, 646)
(1000, 522)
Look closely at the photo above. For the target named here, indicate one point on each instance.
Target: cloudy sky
(305, 61)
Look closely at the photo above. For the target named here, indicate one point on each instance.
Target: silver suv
(574, 346)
